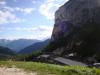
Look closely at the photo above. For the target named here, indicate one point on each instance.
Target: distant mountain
(4, 42)
(19, 44)
(6, 51)
(35, 47)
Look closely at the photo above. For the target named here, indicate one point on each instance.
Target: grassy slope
(48, 69)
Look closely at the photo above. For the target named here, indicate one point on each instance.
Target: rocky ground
(13, 71)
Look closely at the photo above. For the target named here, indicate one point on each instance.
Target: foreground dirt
(13, 71)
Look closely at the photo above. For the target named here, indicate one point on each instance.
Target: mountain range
(34, 47)
(4, 42)
(5, 50)
(17, 45)
(6, 53)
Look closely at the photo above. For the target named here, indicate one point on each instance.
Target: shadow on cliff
(82, 41)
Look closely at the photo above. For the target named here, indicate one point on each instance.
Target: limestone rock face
(74, 13)
(77, 29)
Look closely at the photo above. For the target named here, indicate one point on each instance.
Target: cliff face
(77, 29)
(73, 14)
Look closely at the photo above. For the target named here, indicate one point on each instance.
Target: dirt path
(13, 71)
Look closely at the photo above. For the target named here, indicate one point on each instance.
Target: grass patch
(50, 69)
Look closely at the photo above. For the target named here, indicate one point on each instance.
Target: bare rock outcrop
(75, 13)
(77, 29)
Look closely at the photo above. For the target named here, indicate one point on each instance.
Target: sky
(28, 19)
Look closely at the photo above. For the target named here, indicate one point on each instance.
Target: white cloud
(49, 7)
(40, 32)
(8, 17)
(33, 1)
(9, 8)
(44, 32)
(25, 10)
(2, 2)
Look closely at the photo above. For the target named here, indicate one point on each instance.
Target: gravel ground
(14, 71)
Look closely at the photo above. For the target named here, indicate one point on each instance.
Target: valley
(70, 47)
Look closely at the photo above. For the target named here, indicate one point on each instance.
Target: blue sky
(28, 19)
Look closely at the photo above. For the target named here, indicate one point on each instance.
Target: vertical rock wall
(75, 13)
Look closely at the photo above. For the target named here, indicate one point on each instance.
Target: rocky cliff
(77, 30)
(74, 13)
